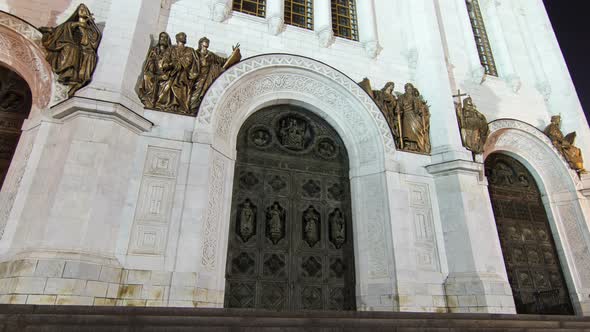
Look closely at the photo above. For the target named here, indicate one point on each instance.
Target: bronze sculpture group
(175, 78)
(408, 115)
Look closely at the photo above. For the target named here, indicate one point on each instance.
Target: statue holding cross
(472, 124)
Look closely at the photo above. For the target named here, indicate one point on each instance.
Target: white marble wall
(117, 205)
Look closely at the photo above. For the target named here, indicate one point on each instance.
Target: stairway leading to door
(81, 319)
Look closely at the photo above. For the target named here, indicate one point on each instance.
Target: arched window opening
(252, 7)
(344, 20)
(299, 13)
(481, 38)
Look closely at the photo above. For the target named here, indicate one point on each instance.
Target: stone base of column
(475, 292)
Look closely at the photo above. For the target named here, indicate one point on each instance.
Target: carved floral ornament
(253, 78)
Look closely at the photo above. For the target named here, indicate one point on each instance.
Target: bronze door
(527, 244)
(290, 243)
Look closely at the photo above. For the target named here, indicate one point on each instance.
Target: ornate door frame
(562, 194)
(288, 79)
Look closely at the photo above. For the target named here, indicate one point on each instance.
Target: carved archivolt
(21, 51)
(221, 102)
(530, 143)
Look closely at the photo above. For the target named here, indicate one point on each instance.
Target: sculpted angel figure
(565, 144)
(71, 48)
(414, 120)
(208, 66)
(155, 72)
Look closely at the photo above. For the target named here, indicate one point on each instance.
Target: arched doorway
(531, 260)
(15, 106)
(290, 241)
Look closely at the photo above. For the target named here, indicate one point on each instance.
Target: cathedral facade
(422, 155)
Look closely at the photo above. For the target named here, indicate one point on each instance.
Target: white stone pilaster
(367, 26)
(125, 40)
(494, 21)
(444, 131)
(477, 275)
(220, 10)
(322, 17)
(275, 16)
(542, 83)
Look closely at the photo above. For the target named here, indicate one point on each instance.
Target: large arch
(288, 79)
(22, 52)
(559, 186)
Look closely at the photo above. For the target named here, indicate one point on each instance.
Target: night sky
(570, 22)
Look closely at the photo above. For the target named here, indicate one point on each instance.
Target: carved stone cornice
(80, 106)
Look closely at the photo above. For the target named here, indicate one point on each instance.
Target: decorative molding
(424, 239)
(578, 246)
(26, 54)
(213, 219)
(532, 144)
(79, 106)
(154, 206)
(378, 257)
(222, 103)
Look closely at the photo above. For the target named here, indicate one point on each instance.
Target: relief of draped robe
(175, 92)
(415, 121)
(71, 48)
(154, 74)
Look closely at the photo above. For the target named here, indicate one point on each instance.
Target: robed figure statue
(386, 100)
(208, 66)
(71, 48)
(473, 125)
(414, 121)
(156, 71)
(565, 144)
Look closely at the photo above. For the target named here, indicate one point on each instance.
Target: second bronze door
(290, 243)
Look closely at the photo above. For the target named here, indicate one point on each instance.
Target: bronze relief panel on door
(290, 243)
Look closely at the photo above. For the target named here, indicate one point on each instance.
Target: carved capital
(544, 89)
(514, 82)
(220, 10)
(275, 25)
(477, 75)
(325, 36)
(372, 48)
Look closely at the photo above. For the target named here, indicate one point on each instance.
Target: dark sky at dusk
(570, 22)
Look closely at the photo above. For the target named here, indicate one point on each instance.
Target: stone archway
(559, 187)
(22, 53)
(273, 79)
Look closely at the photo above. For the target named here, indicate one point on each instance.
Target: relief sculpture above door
(290, 244)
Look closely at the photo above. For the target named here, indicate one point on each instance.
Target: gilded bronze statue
(414, 123)
(207, 68)
(155, 71)
(407, 115)
(71, 48)
(175, 78)
(565, 144)
(472, 124)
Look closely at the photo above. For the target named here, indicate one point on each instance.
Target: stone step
(79, 318)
